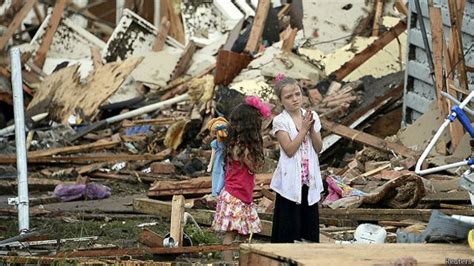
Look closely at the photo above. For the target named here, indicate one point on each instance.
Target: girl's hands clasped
(308, 121)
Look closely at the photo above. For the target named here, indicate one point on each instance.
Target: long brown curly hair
(244, 133)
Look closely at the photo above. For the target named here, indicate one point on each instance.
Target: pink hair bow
(263, 107)
(279, 77)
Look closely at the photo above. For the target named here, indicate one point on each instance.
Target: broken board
(61, 93)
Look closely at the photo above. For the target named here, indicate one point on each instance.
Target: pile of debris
(133, 110)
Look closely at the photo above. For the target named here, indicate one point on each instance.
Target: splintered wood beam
(184, 60)
(176, 25)
(450, 58)
(258, 25)
(371, 50)
(96, 57)
(144, 251)
(458, 50)
(48, 36)
(150, 238)
(37, 11)
(162, 34)
(437, 41)
(401, 7)
(289, 40)
(177, 216)
(377, 18)
(367, 139)
(16, 23)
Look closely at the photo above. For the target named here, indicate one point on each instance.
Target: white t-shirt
(286, 179)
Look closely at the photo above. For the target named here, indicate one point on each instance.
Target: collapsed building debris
(117, 136)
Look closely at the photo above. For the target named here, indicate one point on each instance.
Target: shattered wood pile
(117, 112)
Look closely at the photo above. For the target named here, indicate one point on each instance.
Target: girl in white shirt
(297, 178)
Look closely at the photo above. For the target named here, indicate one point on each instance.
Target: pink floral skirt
(234, 215)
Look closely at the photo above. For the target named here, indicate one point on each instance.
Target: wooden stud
(96, 57)
(367, 139)
(258, 25)
(176, 25)
(177, 217)
(456, 23)
(401, 7)
(16, 23)
(284, 11)
(367, 53)
(451, 57)
(377, 18)
(48, 37)
(289, 41)
(437, 41)
(184, 61)
(37, 11)
(162, 34)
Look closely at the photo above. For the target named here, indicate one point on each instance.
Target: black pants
(293, 221)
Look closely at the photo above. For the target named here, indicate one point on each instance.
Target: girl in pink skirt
(235, 210)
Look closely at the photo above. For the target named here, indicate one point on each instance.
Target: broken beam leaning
(16, 23)
(48, 37)
(371, 50)
(258, 25)
(367, 139)
(162, 34)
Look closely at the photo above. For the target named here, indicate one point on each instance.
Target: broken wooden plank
(87, 158)
(39, 184)
(176, 25)
(96, 57)
(144, 251)
(257, 26)
(48, 37)
(456, 24)
(16, 23)
(459, 196)
(184, 61)
(177, 216)
(377, 17)
(437, 43)
(196, 186)
(154, 122)
(162, 34)
(367, 139)
(289, 40)
(204, 217)
(101, 144)
(362, 214)
(371, 50)
(62, 94)
(150, 238)
(400, 6)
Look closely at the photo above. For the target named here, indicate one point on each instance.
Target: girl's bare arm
(317, 141)
(290, 146)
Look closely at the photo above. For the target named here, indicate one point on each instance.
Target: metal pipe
(435, 139)
(17, 87)
(9, 129)
(471, 112)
